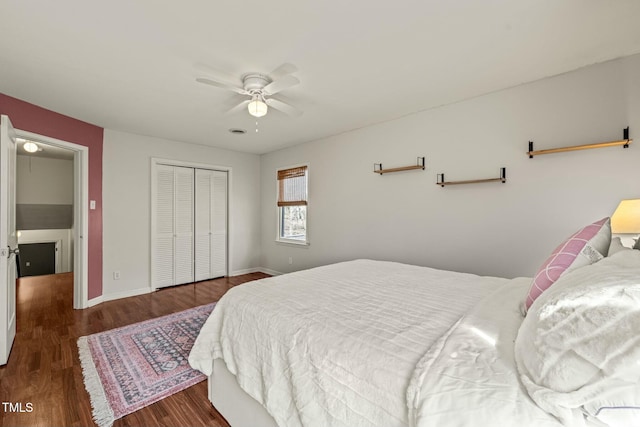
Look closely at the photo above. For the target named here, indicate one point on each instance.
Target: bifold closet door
(183, 242)
(210, 224)
(174, 239)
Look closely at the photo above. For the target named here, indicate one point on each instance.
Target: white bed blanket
(578, 350)
(469, 376)
(336, 345)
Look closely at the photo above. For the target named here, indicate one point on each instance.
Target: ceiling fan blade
(222, 85)
(280, 84)
(284, 107)
(214, 73)
(239, 107)
(283, 70)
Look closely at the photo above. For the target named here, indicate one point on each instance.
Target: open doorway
(44, 208)
(51, 210)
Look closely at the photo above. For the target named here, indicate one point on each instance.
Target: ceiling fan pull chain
(256, 126)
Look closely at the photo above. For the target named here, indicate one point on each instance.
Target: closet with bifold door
(189, 222)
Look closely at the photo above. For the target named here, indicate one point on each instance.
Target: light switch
(92, 204)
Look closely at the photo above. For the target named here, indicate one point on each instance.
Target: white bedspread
(578, 350)
(336, 345)
(469, 376)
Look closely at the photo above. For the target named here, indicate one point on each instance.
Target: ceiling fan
(260, 88)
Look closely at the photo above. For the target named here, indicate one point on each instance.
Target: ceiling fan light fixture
(30, 147)
(257, 107)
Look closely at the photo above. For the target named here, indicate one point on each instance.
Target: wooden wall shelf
(377, 167)
(503, 178)
(625, 141)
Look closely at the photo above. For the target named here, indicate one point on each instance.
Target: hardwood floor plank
(44, 368)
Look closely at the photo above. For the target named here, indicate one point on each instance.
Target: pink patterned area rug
(128, 368)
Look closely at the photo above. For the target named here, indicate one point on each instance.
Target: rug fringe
(102, 412)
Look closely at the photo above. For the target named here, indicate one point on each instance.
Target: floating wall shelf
(377, 167)
(625, 141)
(503, 178)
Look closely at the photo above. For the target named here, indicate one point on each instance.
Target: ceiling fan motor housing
(255, 82)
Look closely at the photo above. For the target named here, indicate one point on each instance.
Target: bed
(377, 343)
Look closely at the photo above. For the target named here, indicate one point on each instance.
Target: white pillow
(617, 246)
(579, 344)
(616, 408)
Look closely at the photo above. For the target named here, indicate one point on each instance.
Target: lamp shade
(257, 108)
(626, 218)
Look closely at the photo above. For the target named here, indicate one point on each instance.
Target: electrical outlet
(290, 260)
(116, 275)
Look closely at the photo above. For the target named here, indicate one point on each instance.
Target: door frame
(155, 162)
(80, 228)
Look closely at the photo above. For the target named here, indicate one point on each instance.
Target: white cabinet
(189, 221)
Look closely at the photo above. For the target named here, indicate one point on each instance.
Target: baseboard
(255, 270)
(141, 291)
(126, 294)
(269, 271)
(95, 301)
(245, 271)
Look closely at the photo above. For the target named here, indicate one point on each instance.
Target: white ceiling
(131, 65)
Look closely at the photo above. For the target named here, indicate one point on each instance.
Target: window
(292, 205)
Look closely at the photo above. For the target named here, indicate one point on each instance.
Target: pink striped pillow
(585, 247)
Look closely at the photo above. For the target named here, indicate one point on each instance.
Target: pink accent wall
(31, 118)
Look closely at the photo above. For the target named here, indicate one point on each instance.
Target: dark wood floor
(44, 368)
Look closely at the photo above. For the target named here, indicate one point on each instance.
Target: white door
(183, 228)
(189, 225)
(173, 226)
(163, 219)
(211, 224)
(203, 225)
(219, 224)
(8, 238)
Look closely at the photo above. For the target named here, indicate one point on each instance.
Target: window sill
(302, 243)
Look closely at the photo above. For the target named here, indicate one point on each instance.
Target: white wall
(127, 201)
(44, 181)
(491, 229)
